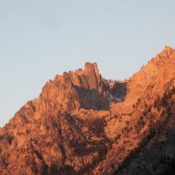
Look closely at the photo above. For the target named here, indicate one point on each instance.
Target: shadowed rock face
(84, 124)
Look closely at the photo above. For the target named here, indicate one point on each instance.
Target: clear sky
(41, 38)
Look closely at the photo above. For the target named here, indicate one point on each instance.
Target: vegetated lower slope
(84, 124)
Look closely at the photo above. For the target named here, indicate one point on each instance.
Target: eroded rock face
(84, 124)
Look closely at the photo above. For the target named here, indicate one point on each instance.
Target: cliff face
(84, 124)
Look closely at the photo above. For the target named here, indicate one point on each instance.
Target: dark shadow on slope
(120, 90)
(92, 99)
(156, 158)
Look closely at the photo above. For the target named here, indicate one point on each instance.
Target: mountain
(83, 124)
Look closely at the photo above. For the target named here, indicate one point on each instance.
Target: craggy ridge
(84, 124)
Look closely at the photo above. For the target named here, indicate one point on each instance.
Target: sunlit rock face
(83, 124)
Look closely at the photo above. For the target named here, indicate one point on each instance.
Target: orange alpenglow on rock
(83, 124)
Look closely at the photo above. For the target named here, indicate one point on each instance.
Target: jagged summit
(89, 77)
(83, 88)
(92, 75)
(91, 66)
(83, 124)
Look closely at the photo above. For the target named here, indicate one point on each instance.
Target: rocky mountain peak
(83, 88)
(83, 124)
(92, 75)
(89, 77)
(91, 66)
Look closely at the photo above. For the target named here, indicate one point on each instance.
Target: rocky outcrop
(84, 124)
(80, 89)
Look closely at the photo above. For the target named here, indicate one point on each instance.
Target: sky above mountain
(39, 39)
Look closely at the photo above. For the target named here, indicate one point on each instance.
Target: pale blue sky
(40, 38)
